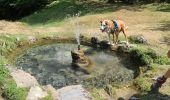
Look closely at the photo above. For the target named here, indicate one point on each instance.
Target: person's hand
(168, 54)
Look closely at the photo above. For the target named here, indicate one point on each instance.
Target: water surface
(51, 64)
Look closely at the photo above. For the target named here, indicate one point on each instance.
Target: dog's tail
(118, 18)
(126, 27)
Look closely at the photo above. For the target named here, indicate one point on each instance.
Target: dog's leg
(109, 38)
(116, 38)
(125, 36)
(113, 38)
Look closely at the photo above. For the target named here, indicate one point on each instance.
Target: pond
(51, 64)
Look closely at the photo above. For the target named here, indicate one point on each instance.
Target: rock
(134, 98)
(114, 47)
(74, 92)
(18, 39)
(52, 90)
(23, 79)
(104, 44)
(94, 42)
(80, 60)
(99, 43)
(138, 39)
(32, 39)
(36, 93)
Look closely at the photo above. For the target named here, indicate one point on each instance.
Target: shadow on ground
(148, 96)
(164, 26)
(166, 40)
(60, 10)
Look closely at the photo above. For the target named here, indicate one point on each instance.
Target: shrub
(146, 59)
(162, 60)
(18, 8)
(138, 57)
(12, 92)
(143, 84)
(4, 73)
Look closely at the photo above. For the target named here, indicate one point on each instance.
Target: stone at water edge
(79, 59)
(31, 39)
(36, 93)
(52, 90)
(74, 92)
(23, 79)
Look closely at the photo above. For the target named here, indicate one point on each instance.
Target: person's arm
(168, 54)
(167, 74)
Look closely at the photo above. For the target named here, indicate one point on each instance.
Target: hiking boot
(155, 87)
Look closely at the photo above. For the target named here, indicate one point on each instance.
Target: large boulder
(22, 78)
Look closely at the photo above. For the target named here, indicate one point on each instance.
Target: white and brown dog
(114, 27)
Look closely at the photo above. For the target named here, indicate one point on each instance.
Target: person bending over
(161, 80)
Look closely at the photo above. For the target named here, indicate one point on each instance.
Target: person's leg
(167, 74)
(160, 80)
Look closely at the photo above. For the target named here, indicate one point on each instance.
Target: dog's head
(103, 25)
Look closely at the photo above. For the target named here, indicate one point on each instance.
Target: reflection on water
(51, 64)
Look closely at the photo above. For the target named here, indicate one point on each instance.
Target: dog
(114, 27)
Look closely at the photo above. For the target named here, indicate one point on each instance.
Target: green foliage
(139, 57)
(4, 73)
(162, 60)
(96, 93)
(6, 43)
(137, 39)
(148, 56)
(17, 8)
(48, 97)
(12, 92)
(143, 84)
(8, 85)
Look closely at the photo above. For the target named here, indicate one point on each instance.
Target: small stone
(133, 98)
(17, 39)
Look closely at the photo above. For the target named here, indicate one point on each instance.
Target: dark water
(51, 64)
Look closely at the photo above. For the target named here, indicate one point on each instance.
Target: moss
(98, 94)
(143, 57)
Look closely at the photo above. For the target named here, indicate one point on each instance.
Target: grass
(8, 86)
(59, 10)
